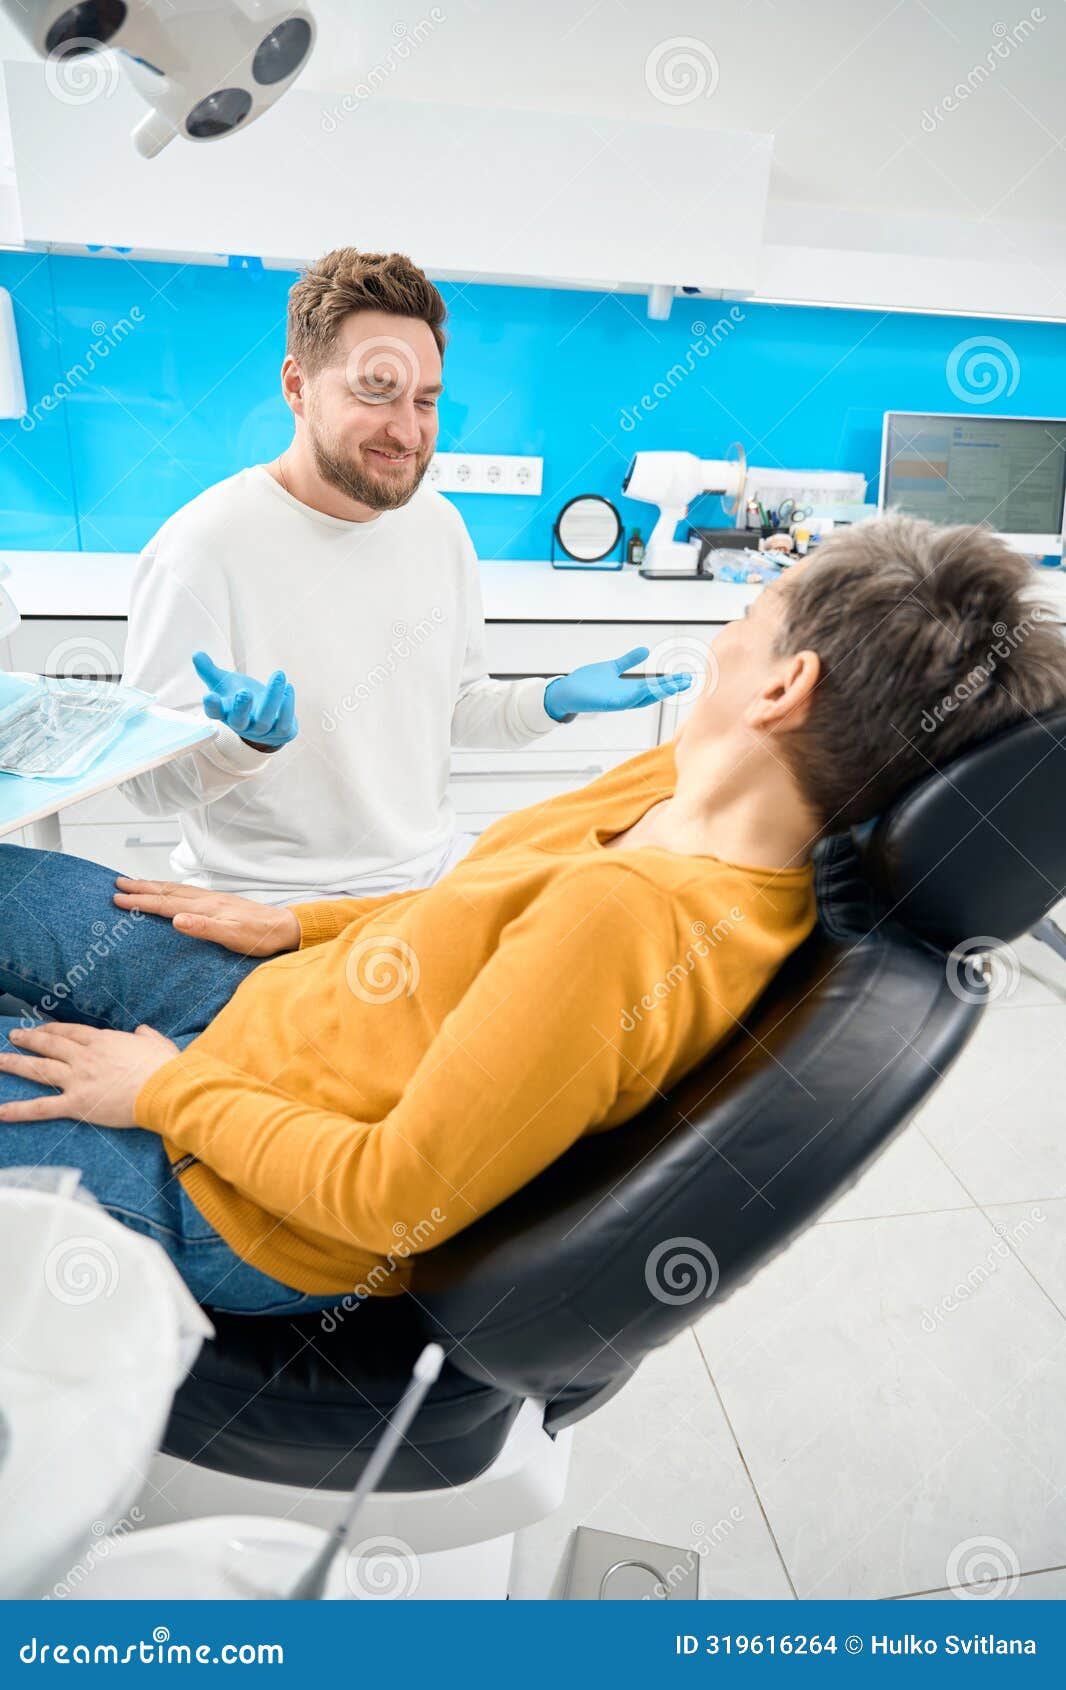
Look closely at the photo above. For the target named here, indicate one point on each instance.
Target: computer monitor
(1009, 472)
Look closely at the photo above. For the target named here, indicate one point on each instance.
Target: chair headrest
(978, 848)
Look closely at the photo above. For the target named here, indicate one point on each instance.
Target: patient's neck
(733, 800)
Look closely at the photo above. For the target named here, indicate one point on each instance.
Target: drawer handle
(135, 842)
(528, 774)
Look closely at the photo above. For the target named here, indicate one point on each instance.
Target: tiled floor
(880, 1413)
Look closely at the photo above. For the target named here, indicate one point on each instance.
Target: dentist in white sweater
(333, 572)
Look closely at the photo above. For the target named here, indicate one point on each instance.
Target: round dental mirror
(588, 528)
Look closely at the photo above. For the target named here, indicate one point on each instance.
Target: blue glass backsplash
(146, 382)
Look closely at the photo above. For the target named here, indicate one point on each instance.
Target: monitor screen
(1007, 471)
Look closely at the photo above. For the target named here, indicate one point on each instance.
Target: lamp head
(205, 69)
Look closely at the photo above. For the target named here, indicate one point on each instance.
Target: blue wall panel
(163, 378)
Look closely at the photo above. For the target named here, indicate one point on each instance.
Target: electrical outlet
(484, 472)
(524, 474)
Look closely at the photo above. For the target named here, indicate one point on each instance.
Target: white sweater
(379, 627)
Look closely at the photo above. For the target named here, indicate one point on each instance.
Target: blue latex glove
(602, 686)
(262, 715)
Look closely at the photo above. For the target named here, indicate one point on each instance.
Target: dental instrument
(672, 480)
(55, 728)
(427, 1368)
(604, 686)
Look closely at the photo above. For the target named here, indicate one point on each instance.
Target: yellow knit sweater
(426, 1054)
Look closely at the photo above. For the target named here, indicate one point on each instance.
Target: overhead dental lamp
(205, 67)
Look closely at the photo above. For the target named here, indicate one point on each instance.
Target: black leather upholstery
(282, 1399)
(561, 1291)
(979, 852)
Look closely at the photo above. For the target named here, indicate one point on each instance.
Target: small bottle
(635, 548)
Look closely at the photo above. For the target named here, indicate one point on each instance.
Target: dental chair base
(462, 1535)
(250, 1558)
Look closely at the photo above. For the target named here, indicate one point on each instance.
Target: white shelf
(65, 585)
(68, 585)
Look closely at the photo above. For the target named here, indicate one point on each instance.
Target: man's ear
(292, 385)
(784, 700)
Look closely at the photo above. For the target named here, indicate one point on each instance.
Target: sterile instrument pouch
(56, 728)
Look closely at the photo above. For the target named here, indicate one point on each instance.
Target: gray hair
(930, 639)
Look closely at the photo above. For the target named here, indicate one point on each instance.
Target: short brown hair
(347, 280)
(931, 640)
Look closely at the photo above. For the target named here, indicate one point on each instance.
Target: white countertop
(97, 584)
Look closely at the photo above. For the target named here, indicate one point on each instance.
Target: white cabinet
(141, 849)
(552, 648)
(488, 784)
(514, 195)
(77, 645)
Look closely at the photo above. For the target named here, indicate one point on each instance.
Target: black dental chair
(556, 1296)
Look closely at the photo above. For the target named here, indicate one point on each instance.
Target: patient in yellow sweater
(320, 1092)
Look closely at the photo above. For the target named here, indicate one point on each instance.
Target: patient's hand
(240, 924)
(96, 1073)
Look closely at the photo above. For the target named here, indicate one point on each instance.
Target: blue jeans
(72, 954)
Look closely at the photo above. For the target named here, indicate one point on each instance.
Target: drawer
(142, 849)
(612, 730)
(493, 784)
(113, 806)
(554, 648)
(96, 646)
(83, 646)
